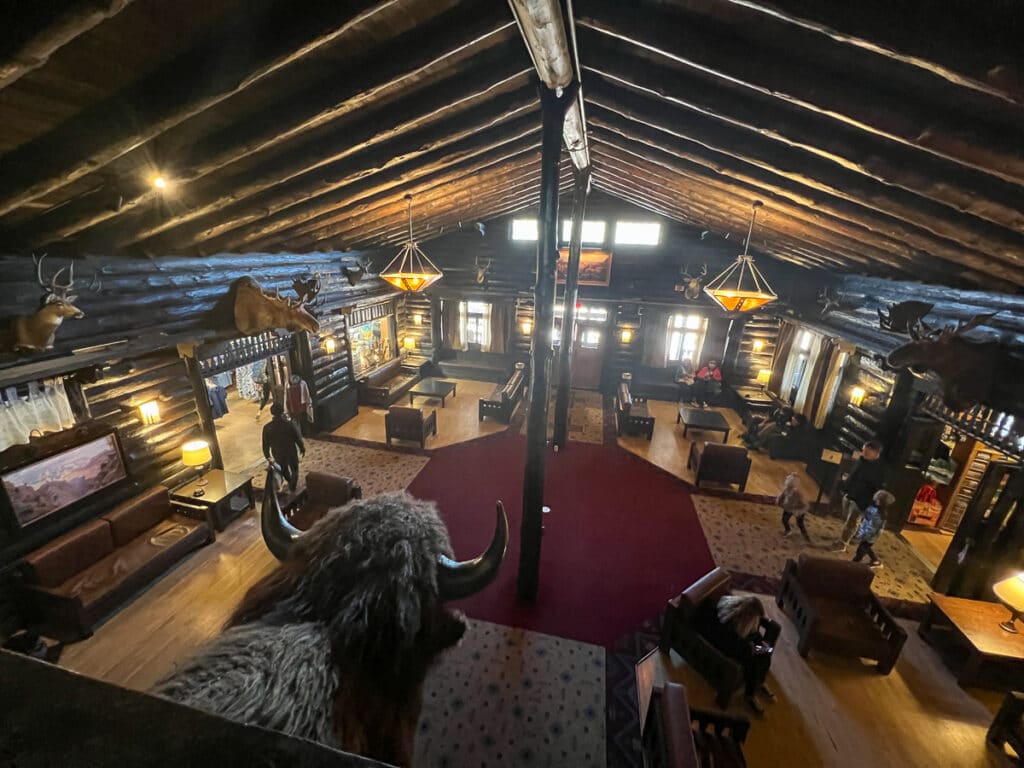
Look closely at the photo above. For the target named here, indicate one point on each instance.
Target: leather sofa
(403, 423)
(719, 463)
(502, 402)
(323, 492)
(833, 608)
(388, 384)
(690, 610)
(75, 580)
(654, 383)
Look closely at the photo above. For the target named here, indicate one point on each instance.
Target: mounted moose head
(481, 270)
(257, 311)
(308, 290)
(691, 284)
(903, 316)
(37, 332)
(965, 367)
(355, 275)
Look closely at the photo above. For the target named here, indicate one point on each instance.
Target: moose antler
(951, 331)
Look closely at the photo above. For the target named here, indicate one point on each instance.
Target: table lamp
(1011, 594)
(196, 453)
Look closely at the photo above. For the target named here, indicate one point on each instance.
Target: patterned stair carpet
(586, 417)
(506, 696)
(747, 537)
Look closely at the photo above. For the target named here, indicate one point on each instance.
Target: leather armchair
(680, 632)
(409, 424)
(833, 608)
(323, 492)
(719, 463)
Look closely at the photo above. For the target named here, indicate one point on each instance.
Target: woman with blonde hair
(739, 618)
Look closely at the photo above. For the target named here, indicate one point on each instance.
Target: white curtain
(801, 403)
(485, 332)
(44, 409)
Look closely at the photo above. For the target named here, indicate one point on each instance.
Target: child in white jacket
(793, 504)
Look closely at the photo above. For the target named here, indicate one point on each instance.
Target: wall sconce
(527, 327)
(417, 319)
(409, 342)
(764, 376)
(329, 345)
(758, 346)
(150, 412)
(857, 395)
(626, 335)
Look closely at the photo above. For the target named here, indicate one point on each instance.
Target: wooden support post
(565, 351)
(731, 354)
(553, 108)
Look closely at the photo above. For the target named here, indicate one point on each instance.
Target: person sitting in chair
(708, 383)
(685, 380)
(734, 631)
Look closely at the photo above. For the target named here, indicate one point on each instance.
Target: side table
(224, 497)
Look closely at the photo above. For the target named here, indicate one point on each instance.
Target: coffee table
(225, 496)
(433, 388)
(989, 656)
(703, 419)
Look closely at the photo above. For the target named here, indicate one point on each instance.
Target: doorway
(588, 356)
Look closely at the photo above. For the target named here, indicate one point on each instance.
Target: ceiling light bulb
(160, 182)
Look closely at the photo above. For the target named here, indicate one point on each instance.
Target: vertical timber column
(731, 353)
(435, 328)
(553, 107)
(565, 350)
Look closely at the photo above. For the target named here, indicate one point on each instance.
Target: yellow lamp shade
(764, 376)
(1011, 594)
(857, 395)
(196, 453)
(150, 412)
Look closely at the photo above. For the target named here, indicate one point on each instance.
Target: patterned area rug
(747, 537)
(586, 417)
(506, 696)
(378, 471)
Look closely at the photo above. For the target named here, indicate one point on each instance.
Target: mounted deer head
(691, 284)
(481, 270)
(355, 275)
(37, 331)
(308, 290)
(965, 367)
(257, 311)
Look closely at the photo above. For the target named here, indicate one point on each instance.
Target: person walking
(793, 504)
(871, 527)
(866, 478)
(281, 437)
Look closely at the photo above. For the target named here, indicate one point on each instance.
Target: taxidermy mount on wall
(355, 275)
(38, 331)
(307, 287)
(482, 268)
(257, 311)
(691, 285)
(903, 316)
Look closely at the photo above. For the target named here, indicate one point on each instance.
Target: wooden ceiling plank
(379, 73)
(36, 29)
(215, 69)
(871, 107)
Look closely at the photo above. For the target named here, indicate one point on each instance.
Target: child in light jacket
(871, 527)
(793, 504)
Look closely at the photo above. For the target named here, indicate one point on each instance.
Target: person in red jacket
(708, 383)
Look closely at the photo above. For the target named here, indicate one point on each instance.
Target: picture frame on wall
(595, 266)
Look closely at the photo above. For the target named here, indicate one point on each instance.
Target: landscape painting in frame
(595, 266)
(49, 485)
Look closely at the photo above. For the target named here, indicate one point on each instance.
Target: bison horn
(456, 580)
(278, 533)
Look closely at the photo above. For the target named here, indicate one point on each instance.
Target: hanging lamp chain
(409, 200)
(750, 230)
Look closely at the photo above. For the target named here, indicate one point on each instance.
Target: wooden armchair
(680, 625)
(718, 463)
(1008, 726)
(833, 608)
(322, 493)
(409, 424)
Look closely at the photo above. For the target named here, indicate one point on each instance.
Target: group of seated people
(701, 387)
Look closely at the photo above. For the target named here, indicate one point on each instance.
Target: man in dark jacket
(281, 437)
(861, 484)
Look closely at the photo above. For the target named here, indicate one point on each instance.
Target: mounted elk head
(691, 284)
(335, 644)
(482, 268)
(903, 316)
(307, 288)
(355, 275)
(38, 331)
(965, 367)
(257, 311)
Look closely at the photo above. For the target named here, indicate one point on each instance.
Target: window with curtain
(475, 319)
(685, 337)
(797, 365)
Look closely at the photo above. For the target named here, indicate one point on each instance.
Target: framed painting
(595, 266)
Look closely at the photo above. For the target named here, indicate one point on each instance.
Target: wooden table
(224, 497)
(433, 388)
(703, 419)
(989, 657)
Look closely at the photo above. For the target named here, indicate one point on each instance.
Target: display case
(373, 344)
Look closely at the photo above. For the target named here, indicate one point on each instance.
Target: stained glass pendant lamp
(411, 270)
(742, 287)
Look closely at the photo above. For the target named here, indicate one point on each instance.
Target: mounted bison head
(257, 311)
(335, 644)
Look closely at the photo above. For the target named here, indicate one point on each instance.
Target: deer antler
(703, 269)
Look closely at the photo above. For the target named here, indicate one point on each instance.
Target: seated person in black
(684, 379)
(777, 416)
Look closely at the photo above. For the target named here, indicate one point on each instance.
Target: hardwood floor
(457, 422)
(669, 450)
(240, 434)
(839, 712)
(929, 543)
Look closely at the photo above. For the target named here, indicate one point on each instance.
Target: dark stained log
(436, 340)
(700, 134)
(222, 65)
(565, 350)
(871, 106)
(984, 54)
(553, 110)
(34, 30)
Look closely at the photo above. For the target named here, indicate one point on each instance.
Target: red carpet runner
(622, 537)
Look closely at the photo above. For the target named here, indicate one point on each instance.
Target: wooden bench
(631, 414)
(501, 403)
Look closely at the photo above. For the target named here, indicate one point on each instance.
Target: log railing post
(553, 107)
(565, 351)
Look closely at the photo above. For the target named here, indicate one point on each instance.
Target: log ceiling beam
(35, 29)
(848, 148)
(224, 64)
(832, 203)
(984, 55)
(377, 74)
(877, 107)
